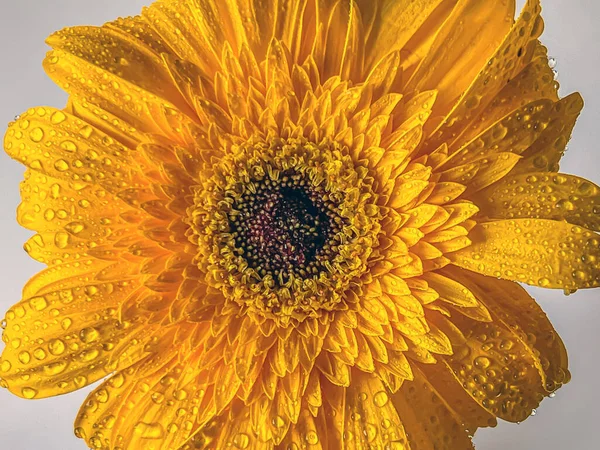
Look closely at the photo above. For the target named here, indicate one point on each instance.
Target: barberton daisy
(299, 224)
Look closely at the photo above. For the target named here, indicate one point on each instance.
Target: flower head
(299, 224)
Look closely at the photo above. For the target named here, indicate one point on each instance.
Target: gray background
(572, 35)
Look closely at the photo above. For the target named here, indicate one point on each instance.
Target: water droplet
(66, 323)
(102, 396)
(278, 422)
(482, 362)
(55, 368)
(370, 432)
(380, 399)
(312, 438)
(543, 282)
(29, 392)
(149, 430)
(86, 131)
(552, 62)
(69, 146)
(37, 134)
(58, 117)
(80, 381)
(90, 355)
(38, 303)
(24, 357)
(75, 227)
(158, 398)
(61, 165)
(241, 440)
(39, 353)
(117, 380)
(180, 395)
(61, 240)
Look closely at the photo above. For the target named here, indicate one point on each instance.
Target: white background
(569, 421)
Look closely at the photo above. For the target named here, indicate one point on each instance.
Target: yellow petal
(517, 49)
(371, 419)
(56, 337)
(459, 51)
(482, 172)
(545, 153)
(107, 123)
(310, 433)
(333, 369)
(143, 110)
(434, 341)
(429, 422)
(235, 427)
(542, 195)
(440, 380)
(527, 130)
(445, 192)
(500, 369)
(150, 410)
(450, 290)
(113, 52)
(344, 46)
(57, 144)
(534, 82)
(406, 192)
(534, 251)
(512, 305)
(53, 205)
(393, 23)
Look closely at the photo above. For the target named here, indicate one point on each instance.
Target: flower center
(283, 229)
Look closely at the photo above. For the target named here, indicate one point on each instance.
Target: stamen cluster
(285, 227)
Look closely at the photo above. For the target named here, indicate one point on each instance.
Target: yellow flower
(298, 224)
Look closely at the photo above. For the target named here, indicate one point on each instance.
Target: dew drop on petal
(380, 399)
(241, 440)
(89, 335)
(58, 117)
(149, 430)
(312, 438)
(29, 392)
(36, 135)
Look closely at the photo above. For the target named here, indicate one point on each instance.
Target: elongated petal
(517, 49)
(429, 422)
(394, 23)
(444, 384)
(151, 404)
(57, 144)
(62, 339)
(512, 305)
(543, 195)
(371, 418)
(459, 52)
(534, 251)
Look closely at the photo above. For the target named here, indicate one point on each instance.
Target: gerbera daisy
(299, 224)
